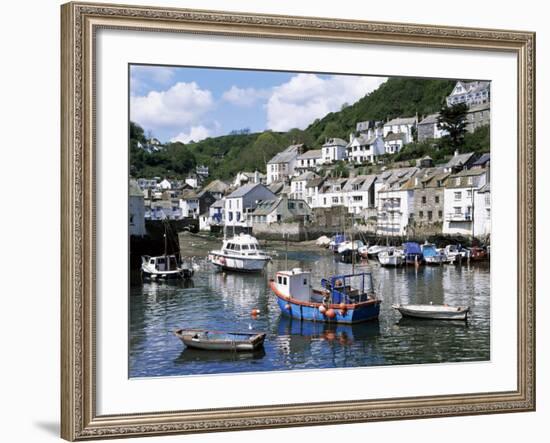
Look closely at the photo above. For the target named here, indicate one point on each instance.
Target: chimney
(456, 152)
(256, 177)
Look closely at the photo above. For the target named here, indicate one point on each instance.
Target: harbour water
(224, 301)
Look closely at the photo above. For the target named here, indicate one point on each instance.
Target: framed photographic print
(283, 221)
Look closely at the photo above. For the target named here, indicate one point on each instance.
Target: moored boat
(431, 255)
(413, 253)
(374, 250)
(477, 253)
(220, 341)
(435, 312)
(348, 252)
(240, 253)
(391, 257)
(164, 267)
(341, 299)
(335, 242)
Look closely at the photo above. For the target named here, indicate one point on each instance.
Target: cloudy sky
(194, 103)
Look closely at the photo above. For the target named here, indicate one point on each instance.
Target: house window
(334, 199)
(458, 196)
(458, 210)
(238, 215)
(487, 199)
(469, 193)
(230, 215)
(357, 198)
(423, 199)
(290, 205)
(470, 180)
(440, 214)
(430, 215)
(421, 214)
(324, 200)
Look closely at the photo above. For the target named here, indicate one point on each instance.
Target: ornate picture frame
(80, 22)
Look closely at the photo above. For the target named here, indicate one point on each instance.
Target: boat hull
(352, 313)
(221, 342)
(389, 261)
(239, 264)
(167, 275)
(429, 313)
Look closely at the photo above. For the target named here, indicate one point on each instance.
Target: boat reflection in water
(190, 355)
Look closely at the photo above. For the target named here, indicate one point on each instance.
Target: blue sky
(180, 103)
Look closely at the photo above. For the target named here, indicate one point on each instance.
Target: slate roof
(243, 190)
(430, 119)
(402, 121)
(287, 155)
(311, 154)
(309, 175)
(364, 181)
(482, 160)
(315, 182)
(459, 160)
(392, 136)
(335, 141)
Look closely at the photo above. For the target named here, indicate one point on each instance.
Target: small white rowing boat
(434, 312)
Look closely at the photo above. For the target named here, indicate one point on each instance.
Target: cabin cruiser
(240, 253)
(164, 267)
(391, 257)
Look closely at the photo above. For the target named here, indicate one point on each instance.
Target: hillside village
(304, 187)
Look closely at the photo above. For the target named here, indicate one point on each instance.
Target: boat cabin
(162, 263)
(294, 283)
(243, 244)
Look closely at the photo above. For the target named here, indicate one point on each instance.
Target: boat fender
(322, 309)
(287, 307)
(330, 313)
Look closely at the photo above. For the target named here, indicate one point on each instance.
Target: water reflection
(224, 301)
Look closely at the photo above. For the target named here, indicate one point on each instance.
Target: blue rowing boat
(341, 299)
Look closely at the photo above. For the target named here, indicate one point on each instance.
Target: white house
(393, 142)
(364, 148)
(331, 193)
(402, 125)
(359, 193)
(298, 185)
(193, 180)
(395, 207)
(309, 161)
(242, 201)
(136, 210)
(459, 201)
(482, 211)
(282, 166)
(333, 150)
(470, 93)
(165, 184)
(312, 191)
(189, 203)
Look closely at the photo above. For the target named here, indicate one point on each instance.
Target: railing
(459, 217)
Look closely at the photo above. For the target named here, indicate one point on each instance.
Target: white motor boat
(240, 253)
(391, 257)
(433, 312)
(374, 250)
(350, 245)
(164, 267)
(454, 253)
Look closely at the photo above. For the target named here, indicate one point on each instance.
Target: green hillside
(228, 154)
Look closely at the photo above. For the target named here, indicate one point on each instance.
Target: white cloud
(181, 105)
(244, 97)
(143, 78)
(195, 133)
(305, 97)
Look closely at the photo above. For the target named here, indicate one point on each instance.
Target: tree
(453, 120)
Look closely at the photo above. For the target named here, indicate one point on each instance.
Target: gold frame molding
(79, 22)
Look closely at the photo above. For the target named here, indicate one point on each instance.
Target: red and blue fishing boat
(341, 299)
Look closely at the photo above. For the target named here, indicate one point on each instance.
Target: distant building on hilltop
(470, 93)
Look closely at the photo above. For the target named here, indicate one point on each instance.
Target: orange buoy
(322, 309)
(255, 312)
(330, 313)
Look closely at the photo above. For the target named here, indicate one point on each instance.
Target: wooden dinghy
(434, 312)
(220, 341)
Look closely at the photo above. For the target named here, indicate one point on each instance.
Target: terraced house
(429, 200)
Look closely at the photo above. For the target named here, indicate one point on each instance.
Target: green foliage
(453, 120)
(243, 151)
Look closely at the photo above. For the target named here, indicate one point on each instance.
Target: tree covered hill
(226, 155)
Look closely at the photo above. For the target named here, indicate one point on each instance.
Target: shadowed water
(224, 301)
